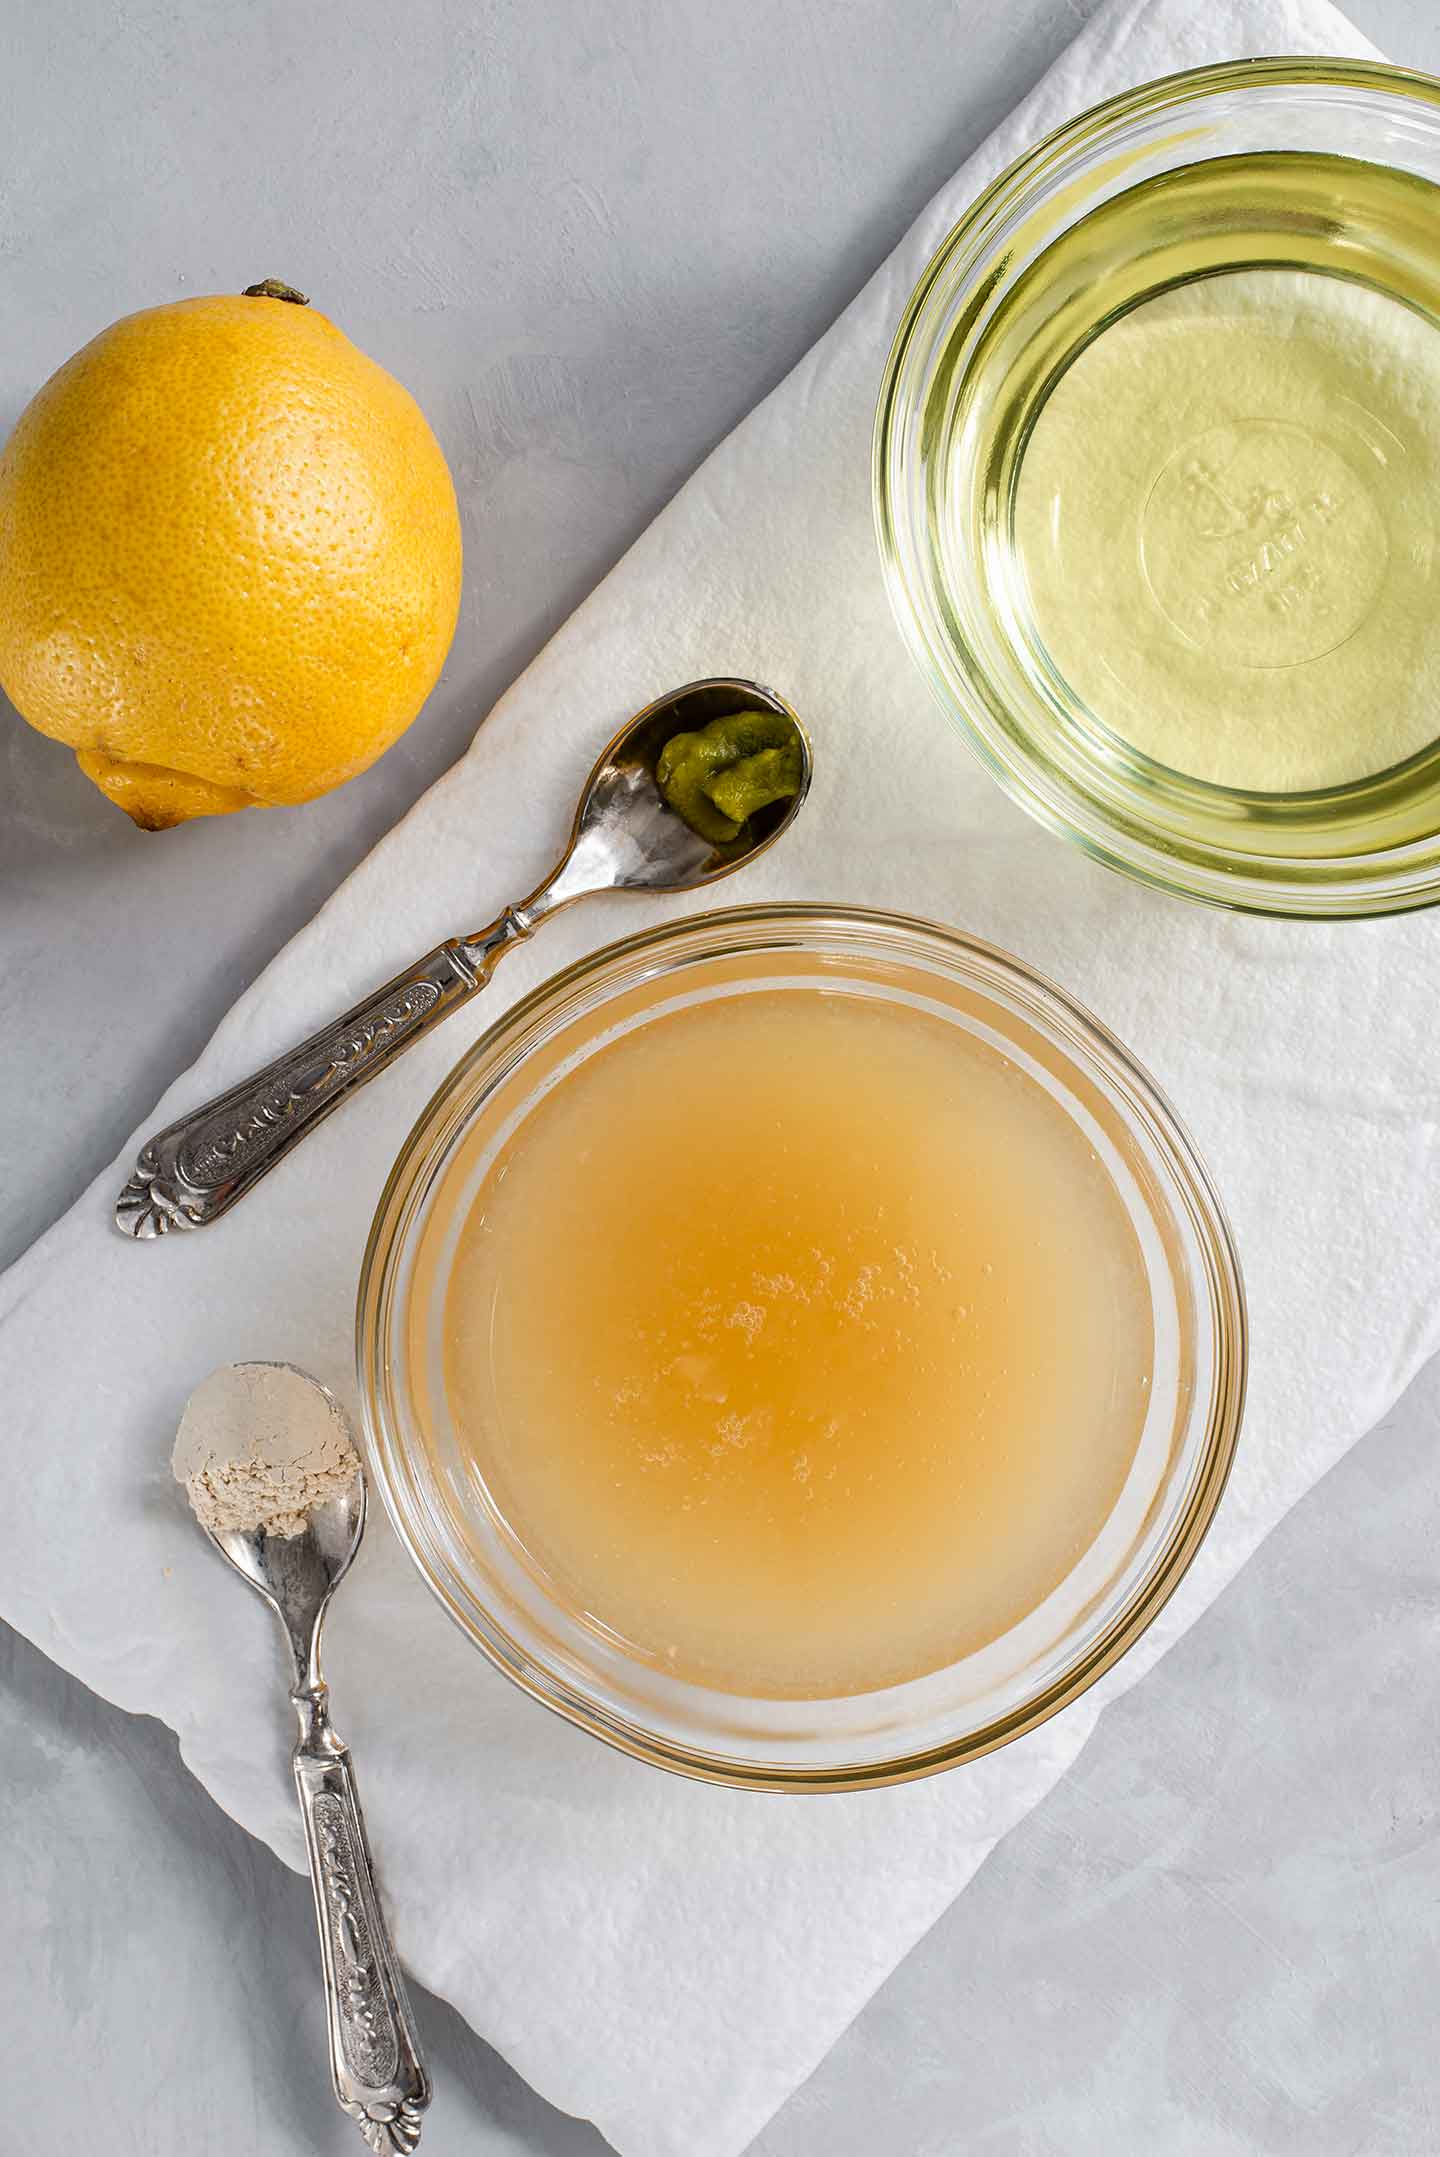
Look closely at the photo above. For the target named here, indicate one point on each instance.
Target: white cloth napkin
(668, 1959)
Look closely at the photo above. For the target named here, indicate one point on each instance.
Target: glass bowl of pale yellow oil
(1157, 481)
(801, 1347)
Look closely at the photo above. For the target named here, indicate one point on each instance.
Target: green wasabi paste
(717, 778)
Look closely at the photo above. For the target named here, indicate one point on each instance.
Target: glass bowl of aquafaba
(801, 1347)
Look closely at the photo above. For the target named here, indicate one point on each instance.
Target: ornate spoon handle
(375, 2061)
(194, 1170)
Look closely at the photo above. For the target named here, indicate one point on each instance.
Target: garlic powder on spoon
(259, 1445)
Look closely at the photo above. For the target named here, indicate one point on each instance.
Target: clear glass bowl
(465, 1553)
(988, 335)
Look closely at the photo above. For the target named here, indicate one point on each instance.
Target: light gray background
(590, 238)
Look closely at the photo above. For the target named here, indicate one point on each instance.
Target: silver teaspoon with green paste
(692, 788)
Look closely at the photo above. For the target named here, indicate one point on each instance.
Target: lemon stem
(270, 288)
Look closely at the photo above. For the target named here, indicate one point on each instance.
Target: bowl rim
(1335, 886)
(721, 933)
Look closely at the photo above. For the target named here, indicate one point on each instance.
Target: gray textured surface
(590, 239)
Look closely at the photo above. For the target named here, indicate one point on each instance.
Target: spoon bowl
(298, 1574)
(622, 819)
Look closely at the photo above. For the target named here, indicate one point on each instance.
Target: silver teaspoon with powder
(631, 833)
(269, 1460)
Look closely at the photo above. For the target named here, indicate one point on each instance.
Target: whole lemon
(229, 557)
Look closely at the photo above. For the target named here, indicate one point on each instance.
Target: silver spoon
(624, 838)
(375, 2060)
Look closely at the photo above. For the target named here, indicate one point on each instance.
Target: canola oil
(1197, 459)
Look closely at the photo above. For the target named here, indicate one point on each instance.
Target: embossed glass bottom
(1157, 463)
(519, 1615)
(1219, 548)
